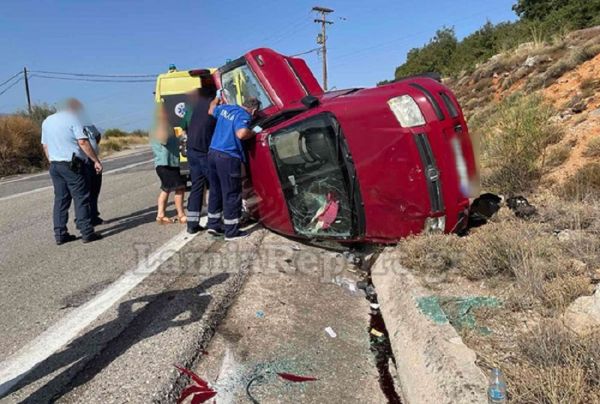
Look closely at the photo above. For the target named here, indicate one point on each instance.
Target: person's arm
(213, 105)
(84, 144)
(242, 128)
(244, 134)
(46, 151)
(89, 151)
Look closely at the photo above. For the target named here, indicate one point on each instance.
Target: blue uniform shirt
(60, 132)
(230, 118)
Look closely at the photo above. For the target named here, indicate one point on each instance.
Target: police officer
(93, 178)
(66, 147)
(200, 128)
(225, 158)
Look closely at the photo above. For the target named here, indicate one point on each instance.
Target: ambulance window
(241, 83)
(313, 177)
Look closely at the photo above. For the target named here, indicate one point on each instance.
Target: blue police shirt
(230, 118)
(60, 132)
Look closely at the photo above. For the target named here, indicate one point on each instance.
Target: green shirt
(166, 154)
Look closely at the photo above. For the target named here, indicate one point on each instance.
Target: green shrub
(514, 136)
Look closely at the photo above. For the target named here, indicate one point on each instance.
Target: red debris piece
(296, 378)
(203, 397)
(199, 391)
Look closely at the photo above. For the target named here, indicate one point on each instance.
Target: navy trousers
(225, 197)
(198, 163)
(94, 183)
(68, 186)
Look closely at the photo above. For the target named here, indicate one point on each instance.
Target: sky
(128, 37)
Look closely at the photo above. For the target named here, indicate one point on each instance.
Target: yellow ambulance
(171, 91)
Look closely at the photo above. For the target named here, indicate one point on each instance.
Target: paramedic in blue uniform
(199, 134)
(225, 158)
(66, 147)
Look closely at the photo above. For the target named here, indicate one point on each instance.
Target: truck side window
(313, 177)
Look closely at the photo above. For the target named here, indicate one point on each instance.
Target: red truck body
(340, 165)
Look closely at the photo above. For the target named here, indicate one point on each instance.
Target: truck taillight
(407, 111)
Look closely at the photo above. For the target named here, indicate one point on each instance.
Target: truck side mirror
(310, 101)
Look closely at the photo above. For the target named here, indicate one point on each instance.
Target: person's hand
(98, 167)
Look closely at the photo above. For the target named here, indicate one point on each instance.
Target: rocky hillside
(564, 77)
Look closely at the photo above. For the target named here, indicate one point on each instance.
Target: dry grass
(555, 366)
(118, 143)
(584, 185)
(20, 148)
(514, 136)
(569, 61)
(557, 155)
(542, 270)
(593, 148)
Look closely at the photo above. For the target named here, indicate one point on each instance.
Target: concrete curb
(434, 366)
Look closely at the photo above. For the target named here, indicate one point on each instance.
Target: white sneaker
(238, 236)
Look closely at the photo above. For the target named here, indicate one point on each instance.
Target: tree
(39, 112)
(436, 56)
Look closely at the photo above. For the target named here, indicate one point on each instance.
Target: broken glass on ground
(458, 311)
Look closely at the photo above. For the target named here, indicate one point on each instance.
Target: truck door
(314, 178)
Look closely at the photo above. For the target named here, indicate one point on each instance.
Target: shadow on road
(158, 312)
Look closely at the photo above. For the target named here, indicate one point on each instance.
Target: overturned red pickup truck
(356, 165)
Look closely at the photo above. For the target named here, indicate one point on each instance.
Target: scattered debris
(295, 247)
(330, 331)
(521, 207)
(296, 378)
(200, 391)
(376, 333)
(348, 284)
(260, 314)
(456, 310)
(483, 208)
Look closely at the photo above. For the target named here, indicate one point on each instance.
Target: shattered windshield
(314, 178)
(241, 83)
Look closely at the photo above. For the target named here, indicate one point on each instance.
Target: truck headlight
(407, 111)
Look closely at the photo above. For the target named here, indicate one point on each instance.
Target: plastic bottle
(497, 387)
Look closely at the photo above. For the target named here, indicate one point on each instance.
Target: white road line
(46, 172)
(57, 336)
(35, 191)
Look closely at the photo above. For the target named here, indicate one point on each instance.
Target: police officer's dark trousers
(69, 185)
(225, 197)
(94, 183)
(198, 163)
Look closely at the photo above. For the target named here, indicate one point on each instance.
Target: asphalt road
(12, 186)
(43, 282)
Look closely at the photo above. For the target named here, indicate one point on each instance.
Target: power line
(307, 52)
(92, 79)
(95, 75)
(11, 86)
(6, 81)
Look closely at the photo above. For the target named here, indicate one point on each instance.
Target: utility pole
(322, 38)
(27, 89)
